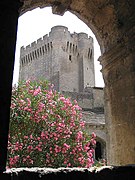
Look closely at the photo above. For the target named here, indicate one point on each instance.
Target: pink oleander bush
(46, 129)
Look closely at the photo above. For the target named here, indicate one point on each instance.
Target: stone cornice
(112, 56)
(124, 46)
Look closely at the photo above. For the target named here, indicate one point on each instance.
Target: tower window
(40, 51)
(33, 55)
(70, 47)
(51, 45)
(43, 49)
(48, 47)
(67, 46)
(70, 57)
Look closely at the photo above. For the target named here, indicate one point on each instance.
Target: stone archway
(113, 24)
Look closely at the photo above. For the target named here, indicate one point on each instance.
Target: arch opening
(70, 49)
(43, 31)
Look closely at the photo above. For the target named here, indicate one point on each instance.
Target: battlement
(35, 44)
(39, 40)
(52, 35)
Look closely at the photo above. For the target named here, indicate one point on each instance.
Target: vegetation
(46, 129)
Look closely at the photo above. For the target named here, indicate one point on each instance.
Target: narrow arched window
(98, 151)
(67, 45)
(70, 58)
(40, 51)
(48, 47)
(73, 48)
(51, 45)
(45, 48)
(33, 55)
(70, 47)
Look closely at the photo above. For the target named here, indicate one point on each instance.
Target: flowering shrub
(46, 129)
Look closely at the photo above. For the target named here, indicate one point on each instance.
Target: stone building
(67, 61)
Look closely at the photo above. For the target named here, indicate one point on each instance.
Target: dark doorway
(98, 151)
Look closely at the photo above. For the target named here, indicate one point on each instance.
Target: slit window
(40, 51)
(70, 58)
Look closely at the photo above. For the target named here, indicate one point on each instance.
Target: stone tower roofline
(45, 39)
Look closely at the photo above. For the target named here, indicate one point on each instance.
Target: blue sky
(35, 24)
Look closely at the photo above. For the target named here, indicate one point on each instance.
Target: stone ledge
(104, 173)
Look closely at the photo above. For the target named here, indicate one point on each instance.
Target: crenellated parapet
(71, 43)
(34, 50)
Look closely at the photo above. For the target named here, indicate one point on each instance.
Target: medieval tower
(67, 61)
(64, 59)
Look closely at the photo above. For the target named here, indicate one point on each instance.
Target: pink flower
(28, 157)
(27, 109)
(13, 161)
(31, 136)
(93, 142)
(79, 136)
(82, 124)
(25, 137)
(66, 146)
(93, 135)
(89, 162)
(27, 82)
(61, 98)
(29, 148)
(77, 107)
(38, 148)
(37, 91)
(31, 161)
(29, 101)
(57, 149)
(43, 135)
(41, 106)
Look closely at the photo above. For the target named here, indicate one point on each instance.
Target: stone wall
(90, 99)
(98, 95)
